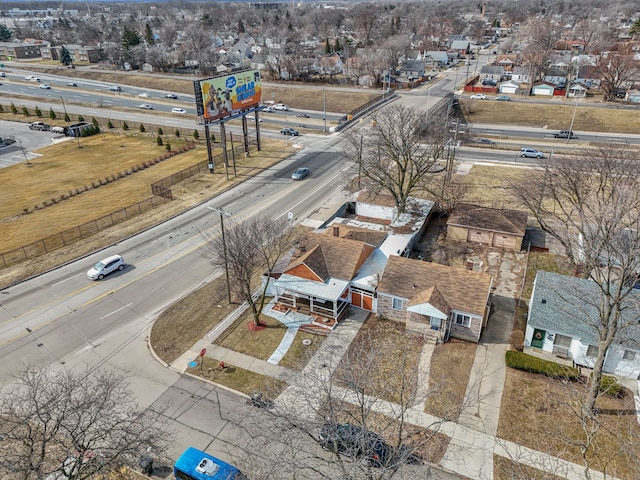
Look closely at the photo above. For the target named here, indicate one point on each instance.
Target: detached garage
(490, 226)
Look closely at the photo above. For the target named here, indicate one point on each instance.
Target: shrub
(80, 118)
(160, 132)
(13, 108)
(517, 340)
(610, 386)
(52, 114)
(177, 131)
(159, 141)
(168, 147)
(25, 111)
(142, 129)
(109, 124)
(213, 138)
(196, 135)
(67, 118)
(26, 211)
(529, 363)
(38, 112)
(1, 108)
(125, 126)
(94, 120)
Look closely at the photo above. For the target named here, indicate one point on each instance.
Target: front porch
(312, 306)
(306, 321)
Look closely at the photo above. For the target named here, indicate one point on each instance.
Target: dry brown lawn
(535, 413)
(507, 469)
(237, 378)
(451, 364)
(384, 358)
(556, 116)
(491, 186)
(261, 343)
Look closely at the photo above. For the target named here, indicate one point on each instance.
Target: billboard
(220, 97)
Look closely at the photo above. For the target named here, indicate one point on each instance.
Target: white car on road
(478, 96)
(145, 106)
(280, 106)
(178, 110)
(105, 267)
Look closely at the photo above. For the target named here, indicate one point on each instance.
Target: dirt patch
(537, 412)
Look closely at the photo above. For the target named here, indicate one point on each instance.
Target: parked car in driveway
(531, 153)
(478, 96)
(106, 266)
(300, 174)
(145, 106)
(289, 131)
(503, 98)
(564, 134)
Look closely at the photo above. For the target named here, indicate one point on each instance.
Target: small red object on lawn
(222, 365)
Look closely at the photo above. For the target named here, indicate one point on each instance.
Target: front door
(538, 338)
(435, 323)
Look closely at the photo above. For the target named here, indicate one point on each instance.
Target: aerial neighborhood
(359, 240)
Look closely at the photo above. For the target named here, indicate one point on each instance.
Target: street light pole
(324, 95)
(573, 117)
(40, 344)
(224, 248)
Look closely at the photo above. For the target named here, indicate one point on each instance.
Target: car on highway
(302, 115)
(485, 141)
(252, 117)
(564, 134)
(280, 106)
(172, 96)
(39, 126)
(300, 173)
(2, 74)
(72, 84)
(106, 266)
(289, 131)
(478, 96)
(503, 98)
(115, 88)
(531, 153)
(44, 86)
(178, 110)
(31, 78)
(145, 106)
(144, 94)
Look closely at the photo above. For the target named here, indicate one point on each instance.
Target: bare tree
(591, 204)
(248, 249)
(73, 423)
(616, 70)
(396, 154)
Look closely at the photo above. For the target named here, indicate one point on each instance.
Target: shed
(491, 226)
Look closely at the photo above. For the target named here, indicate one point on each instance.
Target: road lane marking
(116, 311)
(65, 280)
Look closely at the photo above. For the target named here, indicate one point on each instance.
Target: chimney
(336, 230)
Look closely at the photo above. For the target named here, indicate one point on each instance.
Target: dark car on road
(289, 131)
(364, 445)
(302, 115)
(564, 134)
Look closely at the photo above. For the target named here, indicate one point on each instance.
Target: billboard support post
(223, 140)
(245, 132)
(233, 154)
(209, 154)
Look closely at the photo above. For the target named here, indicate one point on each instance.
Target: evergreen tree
(38, 112)
(327, 47)
(94, 120)
(148, 35)
(168, 147)
(5, 33)
(67, 118)
(196, 135)
(160, 132)
(159, 141)
(52, 114)
(125, 126)
(14, 109)
(336, 46)
(178, 133)
(1, 108)
(80, 118)
(25, 111)
(635, 29)
(241, 26)
(142, 129)
(65, 56)
(109, 124)
(130, 38)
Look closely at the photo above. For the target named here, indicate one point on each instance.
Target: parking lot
(26, 142)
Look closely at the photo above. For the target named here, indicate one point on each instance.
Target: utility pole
(224, 248)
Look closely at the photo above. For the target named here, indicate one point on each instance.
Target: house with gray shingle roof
(562, 312)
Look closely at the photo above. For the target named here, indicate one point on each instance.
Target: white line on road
(116, 311)
(62, 281)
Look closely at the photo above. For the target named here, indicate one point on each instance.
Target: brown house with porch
(436, 300)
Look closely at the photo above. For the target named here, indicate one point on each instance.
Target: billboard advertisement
(220, 97)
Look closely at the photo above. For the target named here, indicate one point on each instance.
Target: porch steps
(315, 329)
(431, 336)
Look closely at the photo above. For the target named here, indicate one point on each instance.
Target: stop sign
(202, 352)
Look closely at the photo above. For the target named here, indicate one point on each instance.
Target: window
(562, 341)
(464, 320)
(396, 304)
(592, 351)
(629, 355)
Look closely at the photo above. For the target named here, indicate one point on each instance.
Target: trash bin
(146, 465)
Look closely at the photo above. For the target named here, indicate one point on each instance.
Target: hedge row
(529, 363)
